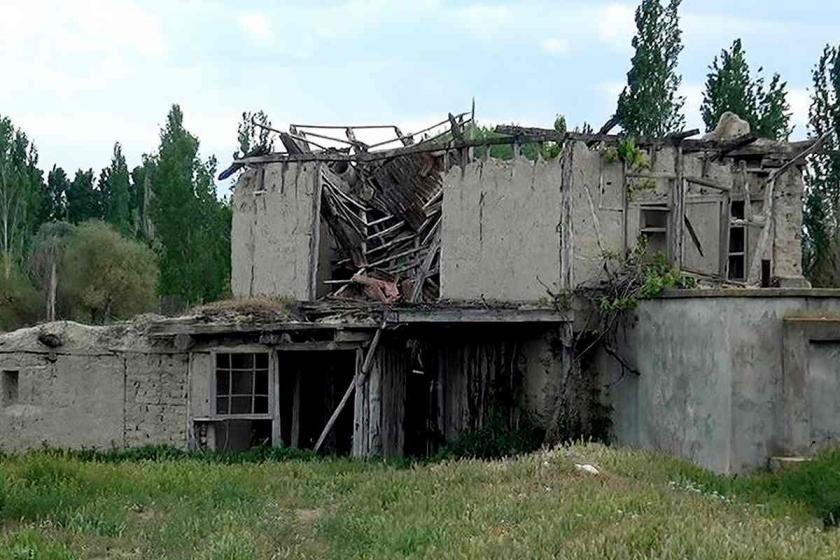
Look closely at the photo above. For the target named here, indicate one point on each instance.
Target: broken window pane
(736, 240)
(736, 267)
(242, 383)
(737, 209)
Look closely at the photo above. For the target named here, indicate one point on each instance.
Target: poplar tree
(650, 104)
(115, 190)
(191, 225)
(22, 195)
(821, 220)
(83, 200)
(57, 184)
(730, 87)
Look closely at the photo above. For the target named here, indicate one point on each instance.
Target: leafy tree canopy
(650, 104)
(107, 276)
(821, 220)
(730, 87)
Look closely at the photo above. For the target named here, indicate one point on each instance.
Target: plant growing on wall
(626, 280)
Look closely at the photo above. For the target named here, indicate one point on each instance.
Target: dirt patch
(309, 515)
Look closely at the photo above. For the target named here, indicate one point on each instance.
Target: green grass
(159, 503)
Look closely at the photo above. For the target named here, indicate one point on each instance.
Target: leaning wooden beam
(764, 238)
(420, 277)
(356, 379)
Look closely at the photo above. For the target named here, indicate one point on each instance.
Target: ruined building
(392, 298)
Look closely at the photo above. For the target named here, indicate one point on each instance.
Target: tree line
(98, 247)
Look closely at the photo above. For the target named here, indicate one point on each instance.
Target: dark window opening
(241, 383)
(10, 387)
(736, 267)
(737, 209)
(654, 228)
(736, 240)
(737, 262)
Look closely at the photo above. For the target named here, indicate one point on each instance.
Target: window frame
(268, 415)
(742, 255)
(664, 230)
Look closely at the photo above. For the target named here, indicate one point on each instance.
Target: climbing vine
(626, 279)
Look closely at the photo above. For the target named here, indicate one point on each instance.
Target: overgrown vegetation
(626, 279)
(158, 503)
(494, 440)
(627, 152)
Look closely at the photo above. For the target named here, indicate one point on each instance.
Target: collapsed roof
(382, 200)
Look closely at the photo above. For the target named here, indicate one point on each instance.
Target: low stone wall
(728, 378)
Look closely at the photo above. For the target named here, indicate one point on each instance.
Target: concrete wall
(89, 391)
(274, 245)
(711, 377)
(500, 231)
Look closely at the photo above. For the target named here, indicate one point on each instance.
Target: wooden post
(565, 227)
(356, 379)
(295, 436)
(679, 210)
(274, 401)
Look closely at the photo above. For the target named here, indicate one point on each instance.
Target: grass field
(641, 505)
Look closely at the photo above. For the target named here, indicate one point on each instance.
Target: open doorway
(311, 386)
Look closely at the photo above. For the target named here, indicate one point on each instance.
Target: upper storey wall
(500, 238)
(275, 231)
(515, 230)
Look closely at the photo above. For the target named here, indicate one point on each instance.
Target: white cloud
(555, 46)
(256, 26)
(616, 25)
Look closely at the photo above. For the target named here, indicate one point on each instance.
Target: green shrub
(107, 276)
(815, 483)
(494, 440)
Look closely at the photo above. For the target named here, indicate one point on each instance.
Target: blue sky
(80, 75)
